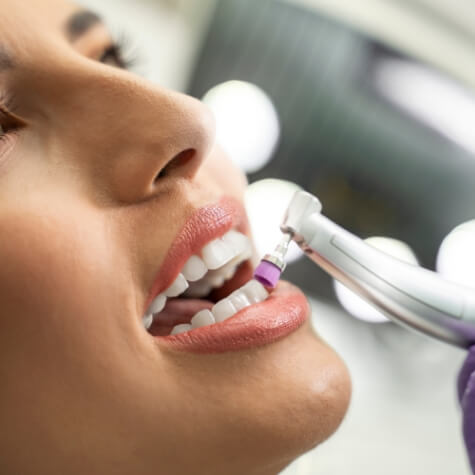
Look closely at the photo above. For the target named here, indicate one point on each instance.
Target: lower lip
(284, 311)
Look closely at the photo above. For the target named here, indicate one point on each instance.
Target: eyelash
(122, 52)
(9, 123)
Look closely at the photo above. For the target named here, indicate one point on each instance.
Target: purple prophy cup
(267, 274)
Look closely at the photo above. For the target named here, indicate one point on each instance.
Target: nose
(173, 135)
(136, 137)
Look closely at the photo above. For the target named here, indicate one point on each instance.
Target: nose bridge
(127, 129)
(121, 103)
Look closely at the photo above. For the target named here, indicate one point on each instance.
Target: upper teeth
(218, 262)
(194, 269)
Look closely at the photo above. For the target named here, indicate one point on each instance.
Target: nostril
(177, 164)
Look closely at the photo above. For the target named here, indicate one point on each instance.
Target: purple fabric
(466, 393)
(267, 274)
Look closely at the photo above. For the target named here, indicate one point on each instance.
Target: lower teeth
(251, 293)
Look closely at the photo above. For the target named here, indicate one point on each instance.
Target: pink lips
(205, 225)
(284, 311)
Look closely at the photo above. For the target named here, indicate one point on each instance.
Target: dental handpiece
(407, 294)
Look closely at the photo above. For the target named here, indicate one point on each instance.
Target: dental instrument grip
(410, 295)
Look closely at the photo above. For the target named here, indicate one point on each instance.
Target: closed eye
(119, 54)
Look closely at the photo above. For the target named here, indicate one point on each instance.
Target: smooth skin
(84, 227)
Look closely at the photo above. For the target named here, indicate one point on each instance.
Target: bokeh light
(266, 202)
(456, 257)
(247, 123)
(352, 302)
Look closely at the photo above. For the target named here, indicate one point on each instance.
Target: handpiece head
(302, 206)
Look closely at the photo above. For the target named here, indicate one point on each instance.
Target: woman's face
(108, 185)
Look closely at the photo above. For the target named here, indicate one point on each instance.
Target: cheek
(58, 279)
(43, 259)
(61, 336)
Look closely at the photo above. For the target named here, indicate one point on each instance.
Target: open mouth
(209, 288)
(213, 305)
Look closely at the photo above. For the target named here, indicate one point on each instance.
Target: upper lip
(203, 226)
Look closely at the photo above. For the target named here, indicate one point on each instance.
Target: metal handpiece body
(408, 294)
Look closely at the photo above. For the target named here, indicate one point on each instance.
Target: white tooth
(230, 305)
(238, 241)
(216, 277)
(147, 321)
(216, 280)
(223, 310)
(248, 294)
(217, 253)
(180, 328)
(157, 305)
(255, 291)
(178, 287)
(198, 289)
(239, 300)
(194, 269)
(202, 319)
(229, 272)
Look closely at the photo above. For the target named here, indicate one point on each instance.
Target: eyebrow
(80, 23)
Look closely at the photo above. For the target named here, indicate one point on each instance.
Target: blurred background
(370, 105)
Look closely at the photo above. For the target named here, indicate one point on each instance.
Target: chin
(261, 408)
(299, 399)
